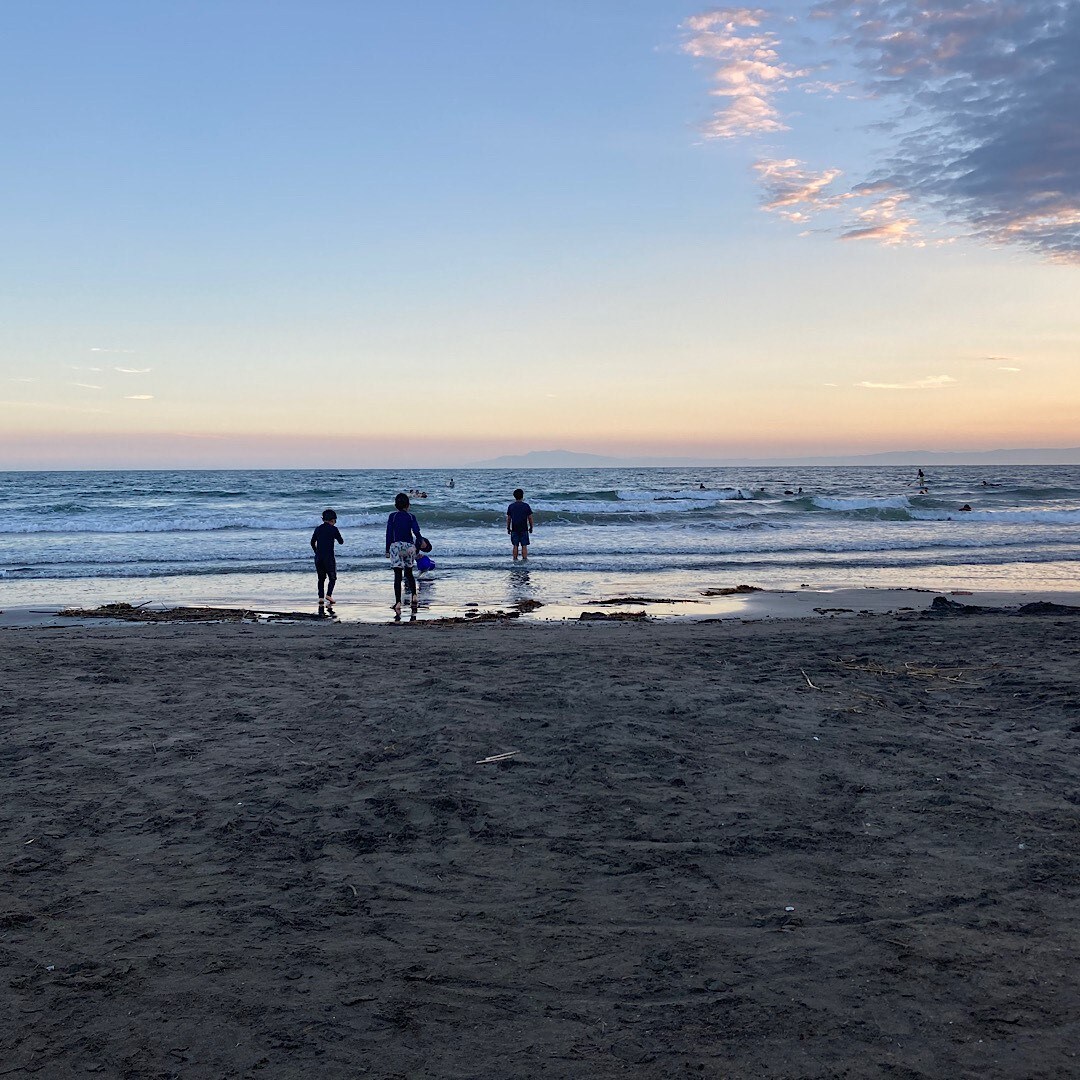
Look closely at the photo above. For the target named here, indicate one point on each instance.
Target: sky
(347, 233)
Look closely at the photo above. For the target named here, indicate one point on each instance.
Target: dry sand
(833, 848)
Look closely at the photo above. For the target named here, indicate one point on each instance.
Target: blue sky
(285, 233)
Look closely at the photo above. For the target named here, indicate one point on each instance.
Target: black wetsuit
(322, 543)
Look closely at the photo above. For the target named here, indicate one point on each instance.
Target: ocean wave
(1002, 490)
(65, 508)
(918, 508)
(692, 495)
(860, 502)
(695, 563)
(430, 517)
(129, 527)
(573, 496)
(793, 549)
(1000, 517)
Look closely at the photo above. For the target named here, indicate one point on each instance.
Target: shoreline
(767, 604)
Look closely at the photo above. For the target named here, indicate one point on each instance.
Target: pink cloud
(748, 70)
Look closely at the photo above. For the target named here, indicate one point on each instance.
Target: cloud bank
(982, 102)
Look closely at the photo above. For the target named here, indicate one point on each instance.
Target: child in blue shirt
(519, 524)
(402, 539)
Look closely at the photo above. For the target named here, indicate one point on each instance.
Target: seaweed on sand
(141, 613)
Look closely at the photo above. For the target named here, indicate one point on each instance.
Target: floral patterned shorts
(402, 555)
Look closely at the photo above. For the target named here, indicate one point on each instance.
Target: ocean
(240, 538)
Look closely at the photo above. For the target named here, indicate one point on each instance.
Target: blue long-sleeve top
(401, 526)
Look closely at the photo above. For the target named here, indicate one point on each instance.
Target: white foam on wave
(893, 502)
(692, 495)
(615, 510)
(110, 524)
(1001, 517)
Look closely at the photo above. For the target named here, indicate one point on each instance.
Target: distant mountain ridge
(572, 459)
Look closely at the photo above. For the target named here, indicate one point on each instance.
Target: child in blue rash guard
(402, 539)
(519, 524)
(323, 540)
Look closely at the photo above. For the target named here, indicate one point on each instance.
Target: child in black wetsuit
(322, 543)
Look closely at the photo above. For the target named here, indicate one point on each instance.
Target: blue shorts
(520, 537)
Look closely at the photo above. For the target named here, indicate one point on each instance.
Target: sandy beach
(788, 848)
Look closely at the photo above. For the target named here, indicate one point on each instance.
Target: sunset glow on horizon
(366, 236)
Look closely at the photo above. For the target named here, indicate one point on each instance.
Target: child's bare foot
(330, 601)
(397, 607)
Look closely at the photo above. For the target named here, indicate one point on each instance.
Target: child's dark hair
(518, 493)
(329, 515)
(402, 501)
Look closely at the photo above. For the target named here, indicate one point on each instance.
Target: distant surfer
(921, 479)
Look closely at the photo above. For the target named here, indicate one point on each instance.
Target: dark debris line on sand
(143, 614)
(942, 605)
(733, 591)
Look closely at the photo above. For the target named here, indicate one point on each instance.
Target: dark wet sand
(237, 851)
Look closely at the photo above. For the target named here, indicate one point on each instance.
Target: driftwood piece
(498, 757)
